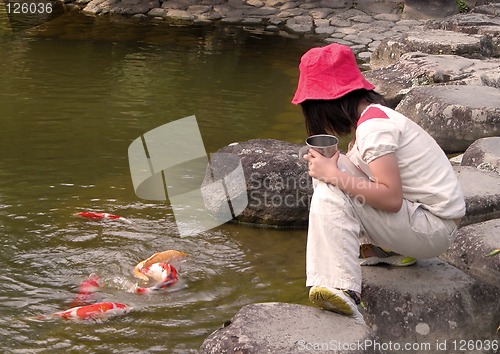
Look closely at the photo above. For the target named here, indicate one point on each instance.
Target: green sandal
(383, 256)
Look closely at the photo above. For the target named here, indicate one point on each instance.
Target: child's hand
(323, 168)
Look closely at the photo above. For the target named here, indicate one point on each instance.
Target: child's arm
(383, 192)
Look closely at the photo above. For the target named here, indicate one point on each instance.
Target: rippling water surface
(73, 95)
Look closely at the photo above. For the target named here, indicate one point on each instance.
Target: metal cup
(325, 144)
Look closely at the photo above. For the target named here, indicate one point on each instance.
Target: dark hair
(337, 116)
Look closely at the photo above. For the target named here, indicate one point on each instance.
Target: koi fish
(141, 269)
(164, 273)
(99, 311)
(99, 216)
(86, 289)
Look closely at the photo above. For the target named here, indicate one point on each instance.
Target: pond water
(74, 94)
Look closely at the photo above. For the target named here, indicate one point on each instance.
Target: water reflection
(75, 93)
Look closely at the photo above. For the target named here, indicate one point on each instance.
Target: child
(407, 199)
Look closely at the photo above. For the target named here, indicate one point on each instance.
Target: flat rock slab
(431, 42)
(429, 302)
(421, 69)
(471, 247)
(474, 23)
(454, 115)
(288, 328)
(482, 194)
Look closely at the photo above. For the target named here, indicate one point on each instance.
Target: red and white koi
(96, 312)
(164, 273)
(87, 288)
(100, 216)
(142, 268)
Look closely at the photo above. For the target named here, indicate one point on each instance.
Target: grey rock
(286, 328)
(198, 9)
(472, 245)
(428, 9)
(300, 24)
(278, 186)
(252, 21)
(289, 5)
(364, 56)
(346, 30)
(324, 30)
(231, 20)
(320, 13)
(180, 15)
(491, 78)
(357, 39)
(256, 3)
(350, 13)
(482, 194)
(132, 7)
(362, 18)
(420, 69)
(339, 22)
(432, 42)
(429, 302)
(157, 12)
(387, 17)
(455, 116)
(291, 13)
(474, 24)
(489, 9)
(484, 154)
(94, 7)
(339, 41)
(275, 3)
(360, 26)
(262, 11)
(379, 7)
(409, 23)
(337, 4)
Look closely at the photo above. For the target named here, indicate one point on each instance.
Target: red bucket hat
(327, 73)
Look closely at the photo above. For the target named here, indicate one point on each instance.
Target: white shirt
(427, 176)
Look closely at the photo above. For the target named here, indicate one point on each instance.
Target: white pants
(338, 224)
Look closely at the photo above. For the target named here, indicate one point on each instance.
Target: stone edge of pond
(361, 24)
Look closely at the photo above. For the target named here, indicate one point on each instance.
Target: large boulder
(472, 251)
(288, 328)
(429, 303)
(278, 185)
(484, 154)
(482, 194)
(455, 116)
(421, 69)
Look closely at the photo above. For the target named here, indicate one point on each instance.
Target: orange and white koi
(86, 289)
(164, 273)
(100, 216)
(95, 312)
(141, 269)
